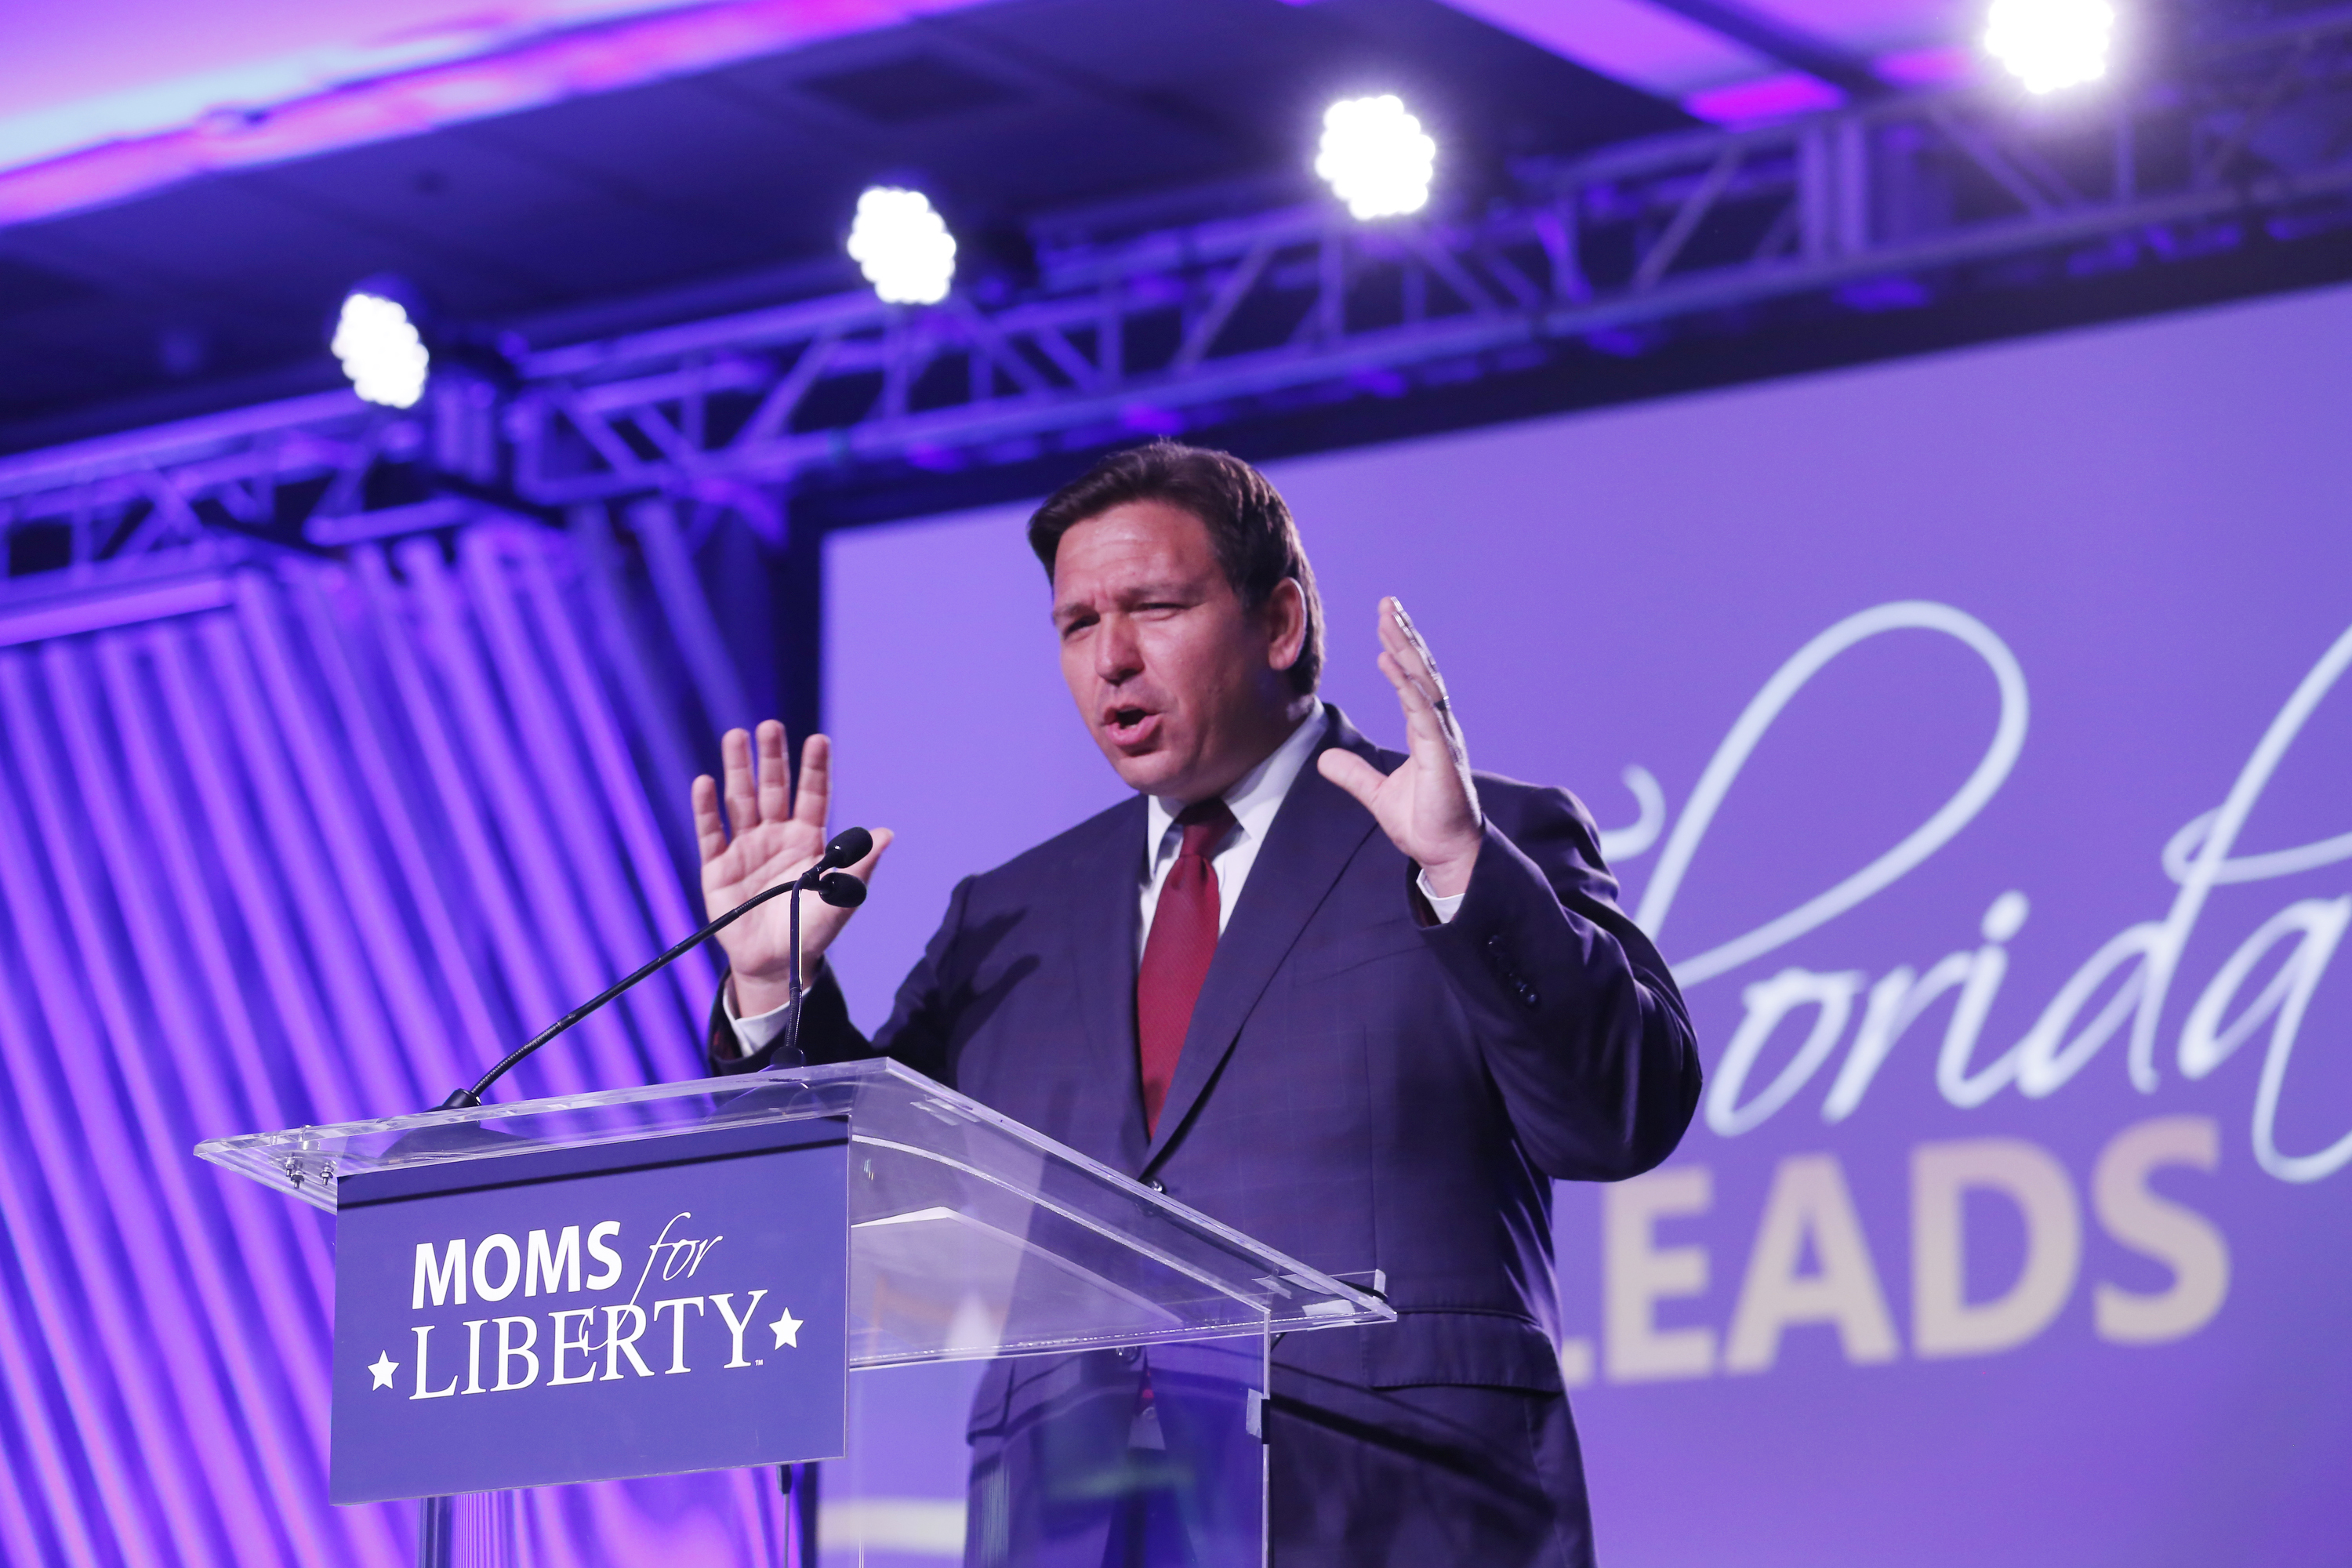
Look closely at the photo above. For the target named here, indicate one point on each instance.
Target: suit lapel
(1315, 835)
(1105, 912)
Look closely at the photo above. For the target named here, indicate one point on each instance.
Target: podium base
(476, 1531)
(436, 1532)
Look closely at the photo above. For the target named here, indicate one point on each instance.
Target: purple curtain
(321, 851)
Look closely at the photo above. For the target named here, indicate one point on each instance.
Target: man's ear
(1286, 624)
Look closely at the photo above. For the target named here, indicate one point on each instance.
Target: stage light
(902, 246)
(380, 350)
(2051, 43)
(1376, 157)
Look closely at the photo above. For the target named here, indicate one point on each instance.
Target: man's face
(1182, 688)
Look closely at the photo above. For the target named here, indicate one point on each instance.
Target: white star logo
(788, 1331)
(384, 1368)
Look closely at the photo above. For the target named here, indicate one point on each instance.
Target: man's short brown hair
(1249, 525)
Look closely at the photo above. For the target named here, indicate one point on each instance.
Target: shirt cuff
(757, 1033)
(1443, 909)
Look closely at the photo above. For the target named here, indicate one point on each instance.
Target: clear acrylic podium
(1045, 1355)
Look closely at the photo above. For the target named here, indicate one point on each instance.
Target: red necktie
(1176, 956)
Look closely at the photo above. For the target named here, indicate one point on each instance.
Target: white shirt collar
(1254, 797)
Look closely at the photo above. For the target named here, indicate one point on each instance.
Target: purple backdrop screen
(1968, 731)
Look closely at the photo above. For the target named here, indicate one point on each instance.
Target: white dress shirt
(1254, 800)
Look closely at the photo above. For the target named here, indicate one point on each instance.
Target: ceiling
(570, 166)
(735, 184)
(115, 71)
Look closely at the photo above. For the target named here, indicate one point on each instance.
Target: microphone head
(849, 846)
(841, 889)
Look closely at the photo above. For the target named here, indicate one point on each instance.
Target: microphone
(834, 886)
(849, 846)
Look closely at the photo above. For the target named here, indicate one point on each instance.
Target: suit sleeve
(826, 1033)
(917, 1033)
(1582, 1026)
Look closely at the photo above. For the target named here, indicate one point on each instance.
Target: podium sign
(573, 1314)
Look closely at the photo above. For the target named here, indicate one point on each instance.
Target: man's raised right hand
(778, 833)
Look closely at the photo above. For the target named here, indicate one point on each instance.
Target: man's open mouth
(1128, 723)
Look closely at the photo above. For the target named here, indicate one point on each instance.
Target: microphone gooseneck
(834, 886)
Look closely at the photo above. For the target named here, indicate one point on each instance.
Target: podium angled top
(970, 1235)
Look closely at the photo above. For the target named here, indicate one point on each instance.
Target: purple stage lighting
(311, 841)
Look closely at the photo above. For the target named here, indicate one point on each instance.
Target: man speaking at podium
(1362, 1006)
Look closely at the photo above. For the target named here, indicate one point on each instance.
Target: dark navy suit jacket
(1357, 1089)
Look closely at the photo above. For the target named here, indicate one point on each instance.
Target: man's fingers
(710, 832)
(815, 797)
(1415, 697)
(1432, 733)
(1407, 661)
(1351, 773)
(774, 778)
(1396, 630)
(1403, 640)
(1428, 733)
(742, 798)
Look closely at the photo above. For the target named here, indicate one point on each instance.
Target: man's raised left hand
(1428, 808)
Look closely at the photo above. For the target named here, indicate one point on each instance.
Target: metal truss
(1887, 203)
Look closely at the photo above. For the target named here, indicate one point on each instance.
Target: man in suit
(1362, 1007)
